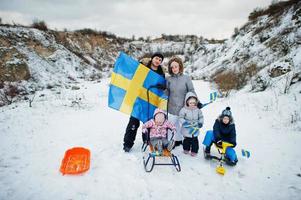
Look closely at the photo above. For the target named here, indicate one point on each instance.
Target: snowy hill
(268, 46)
(263, 55)
(34, 60)
(265, 51)
(46, 61)
(63, 76)
(33, 141)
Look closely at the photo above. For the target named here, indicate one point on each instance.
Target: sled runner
(75, 161)
(221, 158)
(153, 156)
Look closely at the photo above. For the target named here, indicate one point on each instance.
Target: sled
(153, 156)
(220, 169)
(75, 161)
(150, 161)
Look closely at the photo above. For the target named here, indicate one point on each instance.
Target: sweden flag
(130, 81)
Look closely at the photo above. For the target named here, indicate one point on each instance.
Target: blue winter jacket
(224, 132)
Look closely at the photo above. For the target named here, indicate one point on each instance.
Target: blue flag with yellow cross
(131, 90)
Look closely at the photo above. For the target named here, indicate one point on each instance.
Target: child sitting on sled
(223, 131)
(158, 131)
(192, 120)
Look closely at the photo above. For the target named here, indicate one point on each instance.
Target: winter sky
(207, 18)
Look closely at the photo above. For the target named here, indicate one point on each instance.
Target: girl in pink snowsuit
(158, 130)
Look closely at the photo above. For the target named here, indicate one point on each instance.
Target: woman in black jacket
(134, 123)
(223, 131)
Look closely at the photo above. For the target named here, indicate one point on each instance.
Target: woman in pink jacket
(158, 129)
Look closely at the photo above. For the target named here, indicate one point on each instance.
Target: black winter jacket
(224, 132)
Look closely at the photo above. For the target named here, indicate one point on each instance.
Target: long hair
(177, 60)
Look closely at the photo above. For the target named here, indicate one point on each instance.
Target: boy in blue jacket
(223, 131)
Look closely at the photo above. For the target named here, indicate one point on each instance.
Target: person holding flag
(131, 130)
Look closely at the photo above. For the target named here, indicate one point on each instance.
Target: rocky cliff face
(263, 52)
(266, 50)
(83, 49)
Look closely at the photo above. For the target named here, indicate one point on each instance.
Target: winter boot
(193, 154)
(177, 143)
(126, 149)
(207, 153)
(230, 162)
(186, 152)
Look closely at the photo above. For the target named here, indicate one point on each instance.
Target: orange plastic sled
(76, 161)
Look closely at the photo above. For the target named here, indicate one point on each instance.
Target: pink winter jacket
(158, 131)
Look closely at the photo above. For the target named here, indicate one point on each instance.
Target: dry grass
(273, 10)
(40, 24)
(233, 80)
(8, 94)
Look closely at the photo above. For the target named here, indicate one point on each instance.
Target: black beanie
(227, 112)
(158, 55)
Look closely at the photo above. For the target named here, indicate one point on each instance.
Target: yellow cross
(135, 89)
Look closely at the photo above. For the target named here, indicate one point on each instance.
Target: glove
(160, 86)
(185, 124)
(200, 125)
(219, 143)
(199, 105)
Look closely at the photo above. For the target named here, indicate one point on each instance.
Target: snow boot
(230, 162)
(177, 143)
(207, 153)
(186, 152)
(126, 149)
(193, 154)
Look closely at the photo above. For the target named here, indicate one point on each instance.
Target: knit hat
(159, 116)
(158, 55)
(227, 112)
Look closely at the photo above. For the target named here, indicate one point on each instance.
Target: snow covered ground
(33, 142)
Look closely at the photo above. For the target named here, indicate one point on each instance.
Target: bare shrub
(39, 24)
(1, 84)
(8, 94)
(30, 99)
(256, 13)
(87, 31)
(247, 73)
(275, 9)
(296, 78)
(226, 82)
(236, 33)
(232, 80)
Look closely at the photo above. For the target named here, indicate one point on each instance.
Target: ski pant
(191, 144)
(159, 143)
(209, 139)
(131, 132)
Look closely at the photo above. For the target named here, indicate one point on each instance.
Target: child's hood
(158, 110)
(190, 94)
